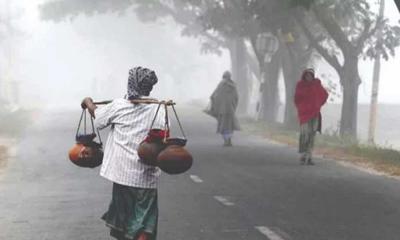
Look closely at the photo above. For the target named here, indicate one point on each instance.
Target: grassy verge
(330, 145)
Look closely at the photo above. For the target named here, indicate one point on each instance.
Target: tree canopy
(340, 31)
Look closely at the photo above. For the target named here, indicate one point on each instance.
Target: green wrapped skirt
(132, 211)
(308, 131)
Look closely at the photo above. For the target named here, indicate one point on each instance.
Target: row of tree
(342, 32)
(9, 35)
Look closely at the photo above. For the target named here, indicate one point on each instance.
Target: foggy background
(51, 65)
(57, 64)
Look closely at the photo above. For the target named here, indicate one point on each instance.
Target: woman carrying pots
(133, 211)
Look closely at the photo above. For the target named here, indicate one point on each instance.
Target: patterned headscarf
(140, 82)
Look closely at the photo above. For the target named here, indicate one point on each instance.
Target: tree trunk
(237, 50)
(269, 90)
(296, 56)
(291, 72)
(290, 117)
(350, 81)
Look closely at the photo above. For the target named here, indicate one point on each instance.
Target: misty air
(208, 119)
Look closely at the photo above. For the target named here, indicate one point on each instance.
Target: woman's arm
(105, 114)
(88, 103)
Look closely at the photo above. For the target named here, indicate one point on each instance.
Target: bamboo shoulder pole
(141, 101)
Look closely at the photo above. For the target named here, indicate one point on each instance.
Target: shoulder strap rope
(179, 122)
(80, 121)
(155, 116)
(96, 130)
(166, 122)
(83, 118)
(147, 101)
(84, 122)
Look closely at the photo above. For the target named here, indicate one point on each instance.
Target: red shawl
(310, 96)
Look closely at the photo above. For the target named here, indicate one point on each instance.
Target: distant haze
(57, 64)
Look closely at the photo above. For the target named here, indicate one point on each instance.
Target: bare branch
(332, 60)
(367, 33)
(215, 39)
(253, 41)
(333, 28)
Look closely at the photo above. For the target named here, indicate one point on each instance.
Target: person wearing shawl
(223, 104)
(133, 211)
(310, 96)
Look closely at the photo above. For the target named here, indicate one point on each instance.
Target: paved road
(253, 191)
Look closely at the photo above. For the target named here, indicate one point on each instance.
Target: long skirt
(227, 123)
(132, 211)
(308, 131)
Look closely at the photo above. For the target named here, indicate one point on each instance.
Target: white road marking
(269, 233)
(196, 179)
(224, 201)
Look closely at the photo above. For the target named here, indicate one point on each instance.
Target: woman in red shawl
(310, 96)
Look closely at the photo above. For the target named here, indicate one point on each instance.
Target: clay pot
(175, 159)
(148, 152)
(152, 146)
(86, 156)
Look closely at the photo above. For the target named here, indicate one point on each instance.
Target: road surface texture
(256, 190)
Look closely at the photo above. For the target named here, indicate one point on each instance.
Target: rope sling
(86, 152)
(93, 135)
(168, 154)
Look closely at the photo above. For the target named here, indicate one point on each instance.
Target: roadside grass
(329, 144)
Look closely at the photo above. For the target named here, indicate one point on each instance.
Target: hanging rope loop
(87, 137)
(165, 105)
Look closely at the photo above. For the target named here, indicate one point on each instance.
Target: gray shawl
(224, 100)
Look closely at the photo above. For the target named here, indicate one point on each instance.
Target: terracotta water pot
(152, 146)
(86, 156)
(175, 159)
(148, 152)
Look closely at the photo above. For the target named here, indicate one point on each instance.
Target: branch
(367, 33)
(252, 62)
(333, 28)
(215, 39)
(61, 9)
(332, 60)
(253, 41)
(184, 19)
(207, 38)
